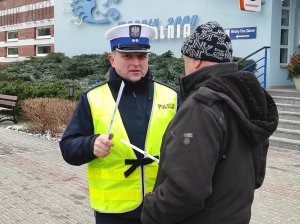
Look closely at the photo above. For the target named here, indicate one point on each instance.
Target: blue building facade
(80, 26)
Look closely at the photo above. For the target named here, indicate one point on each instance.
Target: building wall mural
(93, 11)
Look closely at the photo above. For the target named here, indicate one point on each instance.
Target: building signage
(175, 27)
(85, 11)
(242, 33)
(250, 5)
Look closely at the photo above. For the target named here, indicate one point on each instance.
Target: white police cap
(131, 37)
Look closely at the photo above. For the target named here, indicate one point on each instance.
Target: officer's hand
(102, 145)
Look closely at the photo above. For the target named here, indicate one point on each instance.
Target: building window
(12, 52)
(43, 50)
(43, 32)
(12, 36)
(285, 30)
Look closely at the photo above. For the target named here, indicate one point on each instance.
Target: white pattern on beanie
(208, 42)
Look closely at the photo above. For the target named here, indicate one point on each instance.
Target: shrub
(55, 67)
(84, 70)
(166, 68)
(244, 63)
(47, 115)
(26, 90)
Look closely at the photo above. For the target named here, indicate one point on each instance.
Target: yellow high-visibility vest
(110, 191)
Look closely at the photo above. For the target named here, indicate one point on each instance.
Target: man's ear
(197, 64)
(111, 60)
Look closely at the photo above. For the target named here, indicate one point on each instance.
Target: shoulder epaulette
(94, 86)
(162, 83)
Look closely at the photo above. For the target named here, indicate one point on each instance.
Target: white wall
(89, 38)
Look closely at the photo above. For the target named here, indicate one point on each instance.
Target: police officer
(118, 176)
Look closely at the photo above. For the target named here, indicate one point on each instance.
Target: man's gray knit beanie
(208, 42)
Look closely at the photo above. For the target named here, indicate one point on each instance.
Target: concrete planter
(297, 83)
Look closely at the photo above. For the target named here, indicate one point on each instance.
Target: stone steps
(288, 115)
(287, 100)
(288, 106)
(284, 92)
(284, 143)
(287, 135)
(289, 124)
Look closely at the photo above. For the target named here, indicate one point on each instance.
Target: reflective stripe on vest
(110, 190)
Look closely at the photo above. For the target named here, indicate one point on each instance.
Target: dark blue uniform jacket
(135, 109)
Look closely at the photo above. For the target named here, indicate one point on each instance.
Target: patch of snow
(24, 129)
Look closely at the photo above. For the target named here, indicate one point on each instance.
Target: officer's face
(130, 66)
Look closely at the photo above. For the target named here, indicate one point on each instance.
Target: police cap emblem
(135, 31)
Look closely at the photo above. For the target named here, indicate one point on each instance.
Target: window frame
(288, 28)
(43, 45)
(44, 36)
(12, 39)
(12, 55)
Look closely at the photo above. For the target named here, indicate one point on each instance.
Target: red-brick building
(26, 29)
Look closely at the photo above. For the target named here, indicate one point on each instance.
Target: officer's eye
(126, 55)
(142, 56)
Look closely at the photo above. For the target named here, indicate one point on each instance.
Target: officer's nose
(135, 60)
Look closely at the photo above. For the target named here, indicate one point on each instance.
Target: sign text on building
(242, 33)
(250, 5)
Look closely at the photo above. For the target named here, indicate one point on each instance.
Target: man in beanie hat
(118, 176)
(213, 154)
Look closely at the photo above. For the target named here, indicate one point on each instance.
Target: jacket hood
(242, 92)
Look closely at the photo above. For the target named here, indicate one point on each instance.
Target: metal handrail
(255, 63)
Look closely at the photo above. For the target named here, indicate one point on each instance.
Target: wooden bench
(7, 105)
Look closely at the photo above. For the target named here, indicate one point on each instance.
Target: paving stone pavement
(37, 186)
